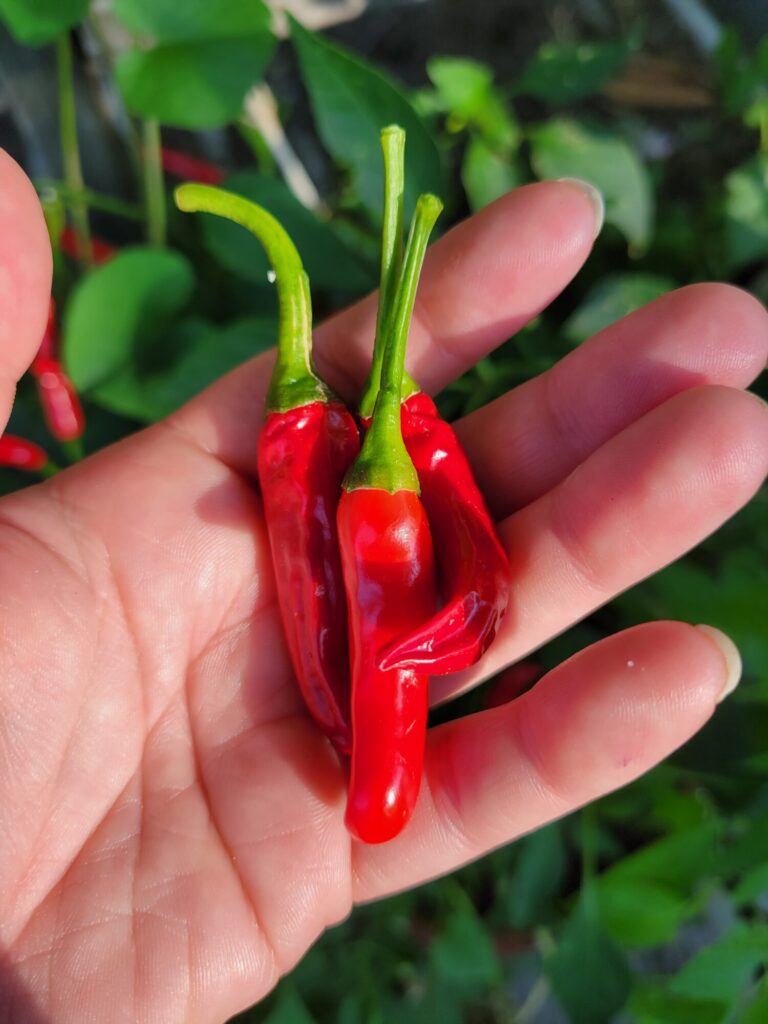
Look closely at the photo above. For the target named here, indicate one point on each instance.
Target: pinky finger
(596, 722)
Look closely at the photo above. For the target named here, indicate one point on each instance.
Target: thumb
(25, 278)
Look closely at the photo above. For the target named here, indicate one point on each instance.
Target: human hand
(171, 823)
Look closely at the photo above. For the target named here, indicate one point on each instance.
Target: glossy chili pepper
(473, 566)
(61, 405)
(20, 453)
(389, 575)
(307, 444)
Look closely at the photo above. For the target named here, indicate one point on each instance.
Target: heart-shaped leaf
(196, 354)
(35, 24)
(126, 302)
(193, 20)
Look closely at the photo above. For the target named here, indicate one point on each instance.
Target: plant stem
(51, 188)
(393, 146)
(154, 188)
(73, 449)
(383, 462)
(70, 150)
(294, 381)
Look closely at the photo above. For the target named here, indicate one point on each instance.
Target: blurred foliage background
(651, 906)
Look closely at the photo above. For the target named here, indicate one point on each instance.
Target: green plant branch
(52, 189)
(70, 150)
(154, 188)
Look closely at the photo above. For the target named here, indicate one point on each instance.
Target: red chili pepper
(101, 251)
(473, 566)
(22, 454)
(389, 575)
(190, 168)
(306, 446)
(61, 405)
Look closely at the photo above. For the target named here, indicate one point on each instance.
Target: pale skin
(171, 824)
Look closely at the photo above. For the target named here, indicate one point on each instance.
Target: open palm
(171, 824)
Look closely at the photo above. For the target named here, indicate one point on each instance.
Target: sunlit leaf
(118, 306)
(352, 102)
(563, 148)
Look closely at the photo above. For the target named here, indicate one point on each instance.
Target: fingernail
(595, 197)
(730, 653)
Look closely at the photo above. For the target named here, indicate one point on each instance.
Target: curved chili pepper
(20, 453)
(308, 441)
(389, 574)
(473, 566)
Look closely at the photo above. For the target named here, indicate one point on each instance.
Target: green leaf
(676, 861)
(328, 262)
(352, 102)
(463, 956)
(462, 84)
(565, 72)
(746, 213)
(486, 174)
(653, 1004)
(757, 1010)
(464, 89)
(36, 22)
(124, 303)
(196, 84)
(589, 974)
(723, 969)
(752, 886)
(197, 353)
(563, 148)
(537, 876)
(288, 1009)
(193, 20)
(611, 299)
(640, 914)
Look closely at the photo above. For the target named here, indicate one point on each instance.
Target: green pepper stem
(383, 462)
(70, 147)
(393, 147)
(294, 381)
(154, 187)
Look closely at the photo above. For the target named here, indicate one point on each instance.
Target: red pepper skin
(101, 251)
(473, 566)
(303, 454)
(190, 168)
(389, 575)
(21, 454)
(61, 405)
